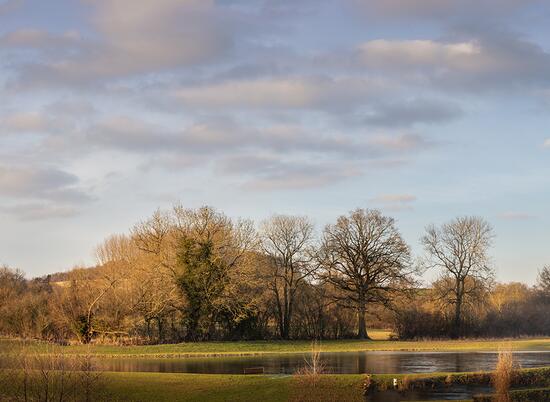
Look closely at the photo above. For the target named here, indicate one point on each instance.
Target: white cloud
(395, 202)
(283, 93)
(487, 60)
(394, 198)
(399, 53)
(515, 216)
(136, 38)
(546, 143)
(37, 211)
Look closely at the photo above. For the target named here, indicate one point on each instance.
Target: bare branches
(364, 255)
(288, 243)
(459, 249)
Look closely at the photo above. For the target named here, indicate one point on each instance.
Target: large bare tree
(366, 258)
(460, 250)
(287, 241)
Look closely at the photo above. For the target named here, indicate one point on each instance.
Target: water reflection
(338, 363)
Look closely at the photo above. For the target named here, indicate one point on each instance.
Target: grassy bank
(380, 343)
(125, 387)
(243, 388)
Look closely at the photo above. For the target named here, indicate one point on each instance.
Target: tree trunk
(362, 310)
(159, 326)
(457, 322)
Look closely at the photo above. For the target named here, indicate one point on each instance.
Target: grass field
(125, 387)
(379, 342)
(196, 387)
(177, 387)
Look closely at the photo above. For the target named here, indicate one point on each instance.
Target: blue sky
(425, 109)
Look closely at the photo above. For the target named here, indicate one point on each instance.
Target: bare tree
(460, 249)
(79, 301)
(543, 280)
(287, 241)
(366, 258)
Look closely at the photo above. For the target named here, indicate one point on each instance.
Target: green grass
(241, 388)
(195, 387)
(125, 387)
(261, 347)
(178, 387)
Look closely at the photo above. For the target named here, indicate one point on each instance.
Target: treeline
(196, 274)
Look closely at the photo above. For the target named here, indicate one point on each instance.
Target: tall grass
(306, 378)
(54, 376)
(313, 365)
(502, 377)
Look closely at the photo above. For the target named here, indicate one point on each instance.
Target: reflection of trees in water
(345, 363)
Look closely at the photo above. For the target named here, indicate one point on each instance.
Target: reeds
(50, 376)
(502, 377)
(313, 365)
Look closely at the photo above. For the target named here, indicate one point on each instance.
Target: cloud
(395, 202)
(441, 9)
(382, 53)
(283, 93)
(481, 61)
(40, 183)
(401, 142)
(131, 134)
(30, 122)
(268, 173)
(75, 107)
(408, 113)
(394, 198)
(131, 38)
(515, 216)
(546, 143)
(270, 157)
(38, 39)
(37, 211)
(219, 137)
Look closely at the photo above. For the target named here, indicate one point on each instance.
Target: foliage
(197, 274)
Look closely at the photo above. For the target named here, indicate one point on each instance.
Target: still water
(337, 363)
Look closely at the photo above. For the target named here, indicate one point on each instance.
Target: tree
(287, 241)
(211, 245)
(12, 283)
(543, 281)
(365, 257)
(459, 249)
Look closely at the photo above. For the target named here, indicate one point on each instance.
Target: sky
(424, 109)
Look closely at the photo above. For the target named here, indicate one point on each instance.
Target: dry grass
(308, 384)
(503, 375)
(54, 376)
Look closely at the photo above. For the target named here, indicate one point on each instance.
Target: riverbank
(180, 387)
(217, 388)
(190, 387)
(247, 348)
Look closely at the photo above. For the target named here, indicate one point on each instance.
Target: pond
(337, 363)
